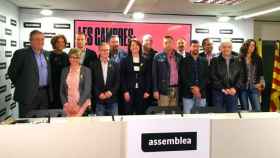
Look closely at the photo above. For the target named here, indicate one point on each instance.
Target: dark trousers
(40, 102)
(56, 104)
(137, 105)
(209, 95)
(227, 102)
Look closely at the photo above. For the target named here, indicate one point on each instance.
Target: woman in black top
(134, 79)
(58, 60)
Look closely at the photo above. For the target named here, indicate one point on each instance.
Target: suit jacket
(24, 74)
(90, 58)
(128, 76)
(112, 81)
(84, 85)
(202, 54)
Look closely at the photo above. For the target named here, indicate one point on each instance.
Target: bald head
(147, 41)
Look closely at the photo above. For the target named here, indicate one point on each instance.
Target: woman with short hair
(75, 88)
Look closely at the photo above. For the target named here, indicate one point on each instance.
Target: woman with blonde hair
(75, 88)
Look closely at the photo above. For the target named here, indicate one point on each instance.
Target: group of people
(114, 81)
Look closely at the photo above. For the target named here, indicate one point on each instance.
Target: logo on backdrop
(101, 31)
(179, 141)
(97, 35)
(32, 25)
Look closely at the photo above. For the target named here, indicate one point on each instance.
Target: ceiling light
(258, 13)
(224, 19)
(138, 15)
(128, 6)
(217, 2)
(46, 12)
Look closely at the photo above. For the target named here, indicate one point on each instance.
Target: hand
(225, 91)
(156, 95)
(71, 109)
(232, 91)
(108, 94)
(146, 95)
(102, 96)
(126, 96)
(83, 108)
(260, 87)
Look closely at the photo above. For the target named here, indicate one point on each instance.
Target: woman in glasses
(75, 88)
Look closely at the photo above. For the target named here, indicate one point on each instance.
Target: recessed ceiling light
(46, 12)
(138, 15)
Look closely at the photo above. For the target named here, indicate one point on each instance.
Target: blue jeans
(226, 102)
(106, 109)
(253, 95)
(189, 103)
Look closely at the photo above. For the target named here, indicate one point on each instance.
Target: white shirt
(104, 66)
(183, 53)
(136, 68)
(83, 55)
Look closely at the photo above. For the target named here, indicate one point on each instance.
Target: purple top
(42, 69)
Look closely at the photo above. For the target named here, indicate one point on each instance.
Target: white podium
(255, 135)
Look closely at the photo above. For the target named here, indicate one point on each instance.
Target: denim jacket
(161, 72)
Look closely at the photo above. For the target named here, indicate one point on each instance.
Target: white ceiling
(182, 7)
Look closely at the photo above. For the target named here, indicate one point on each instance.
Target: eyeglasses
(72, 57)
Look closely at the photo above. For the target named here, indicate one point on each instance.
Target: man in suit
(30, 71)
(207, 53)
(88, 56)
(181, 46)
(106, 82)
(207, 49)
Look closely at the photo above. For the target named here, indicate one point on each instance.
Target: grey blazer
(84, 86)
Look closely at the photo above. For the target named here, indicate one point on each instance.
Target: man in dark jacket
(148, 55)
(106, 82)
(166, 74)
(227, 76)
(30, 72)
(207, 53)
(181, 46)
(193, 77)
(117, 54)
(88, 56)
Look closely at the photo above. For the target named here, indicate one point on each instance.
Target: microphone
(49, 118)
(113, 117)
(239, 114)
